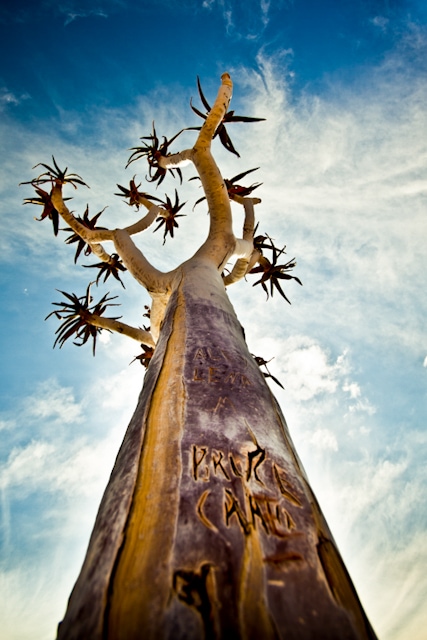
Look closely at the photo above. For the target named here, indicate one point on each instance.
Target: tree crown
(81, 318)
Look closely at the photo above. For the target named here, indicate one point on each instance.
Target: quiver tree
(208, 526)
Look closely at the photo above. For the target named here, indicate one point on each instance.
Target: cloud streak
(242, 20)
(11, 99)
(58, 476)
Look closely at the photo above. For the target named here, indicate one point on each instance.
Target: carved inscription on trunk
(268, 497)
(215, 366)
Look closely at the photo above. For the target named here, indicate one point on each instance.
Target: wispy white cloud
(9, 98)
(7, 424)
(352, 388)
(265, 8)
(324, 439)
(362, 405)
(29, 463)
(49, 456)
(345, 177)
(70, 16)
(5, 528)
(69, 10)
(30, 604)
(381, 22)
(242, 20)
(51, 401)
(64, 475)
(308, 371)
(72, 10)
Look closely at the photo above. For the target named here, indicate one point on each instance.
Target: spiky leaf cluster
(75, 312)
(74, 237)
(134, 195)
(44, 199)
(55, 175)
(153, 150)
(234, 189)
(146, 355)
(107, 269)
(272, 272)
(169, 220)
(238, 189)
(263, 363)
(221, 131)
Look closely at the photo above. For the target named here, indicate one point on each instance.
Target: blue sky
(342, 159)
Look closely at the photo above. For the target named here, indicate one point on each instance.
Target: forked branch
(84, 321)
(241, 266)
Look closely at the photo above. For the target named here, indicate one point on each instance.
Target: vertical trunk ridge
(142, 580)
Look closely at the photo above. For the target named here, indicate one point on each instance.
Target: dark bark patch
(196, 590)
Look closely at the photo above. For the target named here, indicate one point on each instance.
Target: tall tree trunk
(208, 527)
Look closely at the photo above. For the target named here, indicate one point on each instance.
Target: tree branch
(139, 267)
(220, 242)
(217, 112)
(91, 236)
(157, 283)
(174, 160)
(237, 273)
(95, 236)
(241, 266)
(140, 335)
(153, 212)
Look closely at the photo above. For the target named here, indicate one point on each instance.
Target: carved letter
(256, 511)
(200, 513)
(252, 456)
(223, 401)
(290, 523)
(197, 589)
(217, 463)
(212, 373)
(233, 506)
(235, 469)
(197, 460)
(196, 376)
(274, 516)
(211, 355)
(230, 378)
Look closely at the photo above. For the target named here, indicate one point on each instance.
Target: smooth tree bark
(208, 527)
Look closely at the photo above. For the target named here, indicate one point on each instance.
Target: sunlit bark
(140, 335)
